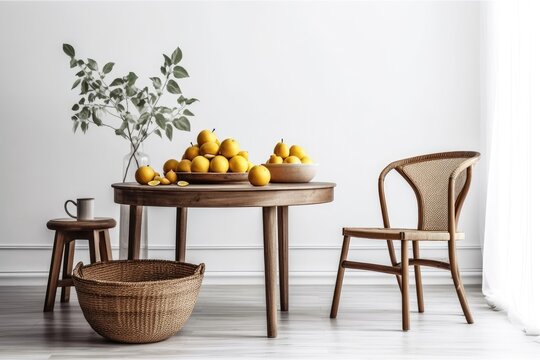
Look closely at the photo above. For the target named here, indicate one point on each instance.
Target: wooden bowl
(212, 178)
(292, 173)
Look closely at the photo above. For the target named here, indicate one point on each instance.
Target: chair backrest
(440, 181)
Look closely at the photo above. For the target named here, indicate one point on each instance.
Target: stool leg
(93, 242)
(68, 268)
(54, 271)
(105, 246)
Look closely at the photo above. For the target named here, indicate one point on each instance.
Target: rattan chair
(441, 182)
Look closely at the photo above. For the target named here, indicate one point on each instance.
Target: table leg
(93, 245)
(269, 230)
(283, 249)
(181, 231)
(69, 252)
(54, 272)
(105, 251)
(135, 223)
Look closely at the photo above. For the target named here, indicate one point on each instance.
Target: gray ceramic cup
(85, 208)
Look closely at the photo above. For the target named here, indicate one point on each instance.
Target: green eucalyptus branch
(101, 99)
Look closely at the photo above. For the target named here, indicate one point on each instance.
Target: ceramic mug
(85, 208)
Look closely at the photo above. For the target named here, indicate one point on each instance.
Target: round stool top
(69, 224)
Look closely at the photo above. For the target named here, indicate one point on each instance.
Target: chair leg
(105, 251)
(339, 279)
(458, 284)
(418, 278)
(68, 268)
(54, 271)
(393, 260)
(93, 245)
(405, 284)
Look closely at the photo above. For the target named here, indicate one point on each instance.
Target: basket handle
(200, 269)
(78, 269)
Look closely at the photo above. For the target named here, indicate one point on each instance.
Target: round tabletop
(225, 195)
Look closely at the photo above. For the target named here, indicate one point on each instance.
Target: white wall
(359, 84)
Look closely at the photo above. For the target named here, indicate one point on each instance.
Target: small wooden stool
(67, 230)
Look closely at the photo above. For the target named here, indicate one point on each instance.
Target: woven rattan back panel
(430, 178)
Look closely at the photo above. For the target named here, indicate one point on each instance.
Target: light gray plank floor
(229, 322)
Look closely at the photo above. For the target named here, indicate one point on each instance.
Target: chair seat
(400, 234)
(100, 223)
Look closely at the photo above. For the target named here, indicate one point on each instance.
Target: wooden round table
(274, 200)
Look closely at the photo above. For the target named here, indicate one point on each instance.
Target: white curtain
(511, 280)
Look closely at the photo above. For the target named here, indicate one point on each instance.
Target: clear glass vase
(132, 161)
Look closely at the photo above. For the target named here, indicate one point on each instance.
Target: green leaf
(117, 82)
(96, 119)
(173, 87)
(144, 118)
(164, 110)
(72, 63)
(182, 123)
(91, 97)
(120, 132)
(163, 70)
(131, 78)
(131, 91)
(74, 118)
(161, 121)
(167, 60)
(75, 84)
(108, 67)
(84, 87)
(188, 113)
(92, 64)
(176, 56)
(179, 72)
(130, 118)
(84, 126)
(139, 104)
(191, 101)
(158, 133)
(75, 107)
(75, 126)
(156, 82)
(85, 113)
(169, 131)
(69, 50)
(116, 92)
(82, 101)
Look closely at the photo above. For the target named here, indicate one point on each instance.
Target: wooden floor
(229, 322)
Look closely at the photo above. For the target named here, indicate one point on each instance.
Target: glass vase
(132, 161)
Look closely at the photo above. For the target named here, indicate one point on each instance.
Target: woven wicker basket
(137, 301)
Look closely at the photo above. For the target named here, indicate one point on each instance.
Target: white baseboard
(241, 264)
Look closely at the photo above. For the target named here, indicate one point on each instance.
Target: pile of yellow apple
(285, 155)
(211, 155)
